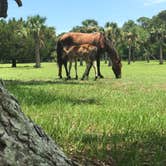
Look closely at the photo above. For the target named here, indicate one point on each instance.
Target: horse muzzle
(118, 76)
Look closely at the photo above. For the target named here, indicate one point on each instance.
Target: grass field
(124, 119)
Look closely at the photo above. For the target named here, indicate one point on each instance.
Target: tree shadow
(19, 67)
(44, 82)
(39, 96)
(147, 150)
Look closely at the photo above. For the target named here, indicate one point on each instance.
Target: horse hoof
(95, 78)
(68, 78)
(100, 76)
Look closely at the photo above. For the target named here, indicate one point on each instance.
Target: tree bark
(22, 142)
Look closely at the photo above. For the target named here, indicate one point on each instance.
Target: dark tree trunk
(129, 56)
(37, 51)
(22, 142)
(147, 58)
(161, 55)
(14, 63)
(3, 8)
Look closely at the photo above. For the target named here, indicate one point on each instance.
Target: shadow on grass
(31, 95)
(19, 67)
(44, 82)
(148, 150)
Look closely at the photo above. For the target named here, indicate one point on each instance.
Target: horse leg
(70, 66)
(86, 73)
(76, 70)
(67, 73)
(98, 66)
(95, 70)
(60, 71)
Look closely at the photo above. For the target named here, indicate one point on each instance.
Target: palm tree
(36, 25)
(159, 32)
(130, 37)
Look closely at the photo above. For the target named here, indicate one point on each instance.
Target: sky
(65, 14)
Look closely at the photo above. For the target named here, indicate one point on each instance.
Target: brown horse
(97, 39)
(85, 52)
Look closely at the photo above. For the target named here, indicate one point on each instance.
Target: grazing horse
(97, 39)
(85, 52)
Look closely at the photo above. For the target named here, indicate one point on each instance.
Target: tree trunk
(22, 142)
(129, 56)
(3, 8)
(14, 63)
(147, 58)
(37, 51)
(161, 55)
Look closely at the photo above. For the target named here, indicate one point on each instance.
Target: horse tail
(59, 53)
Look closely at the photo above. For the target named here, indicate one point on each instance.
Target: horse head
(19, 2)
(116, 67)
(115, 58)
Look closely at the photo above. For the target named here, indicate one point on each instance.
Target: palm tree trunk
(161, 54)
(129, 57)
(147, 58)
(3, 8)
(14, 63)
(37, 52)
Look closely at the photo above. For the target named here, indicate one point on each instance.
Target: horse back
(75, 38)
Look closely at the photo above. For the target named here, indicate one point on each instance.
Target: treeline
(27, 41)
(143, 39)
(31, 40)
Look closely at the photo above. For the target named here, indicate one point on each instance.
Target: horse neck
(113, 54)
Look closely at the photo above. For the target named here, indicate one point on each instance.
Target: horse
(97, 39)
(85, 52)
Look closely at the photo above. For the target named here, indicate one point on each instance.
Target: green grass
(124, 118)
